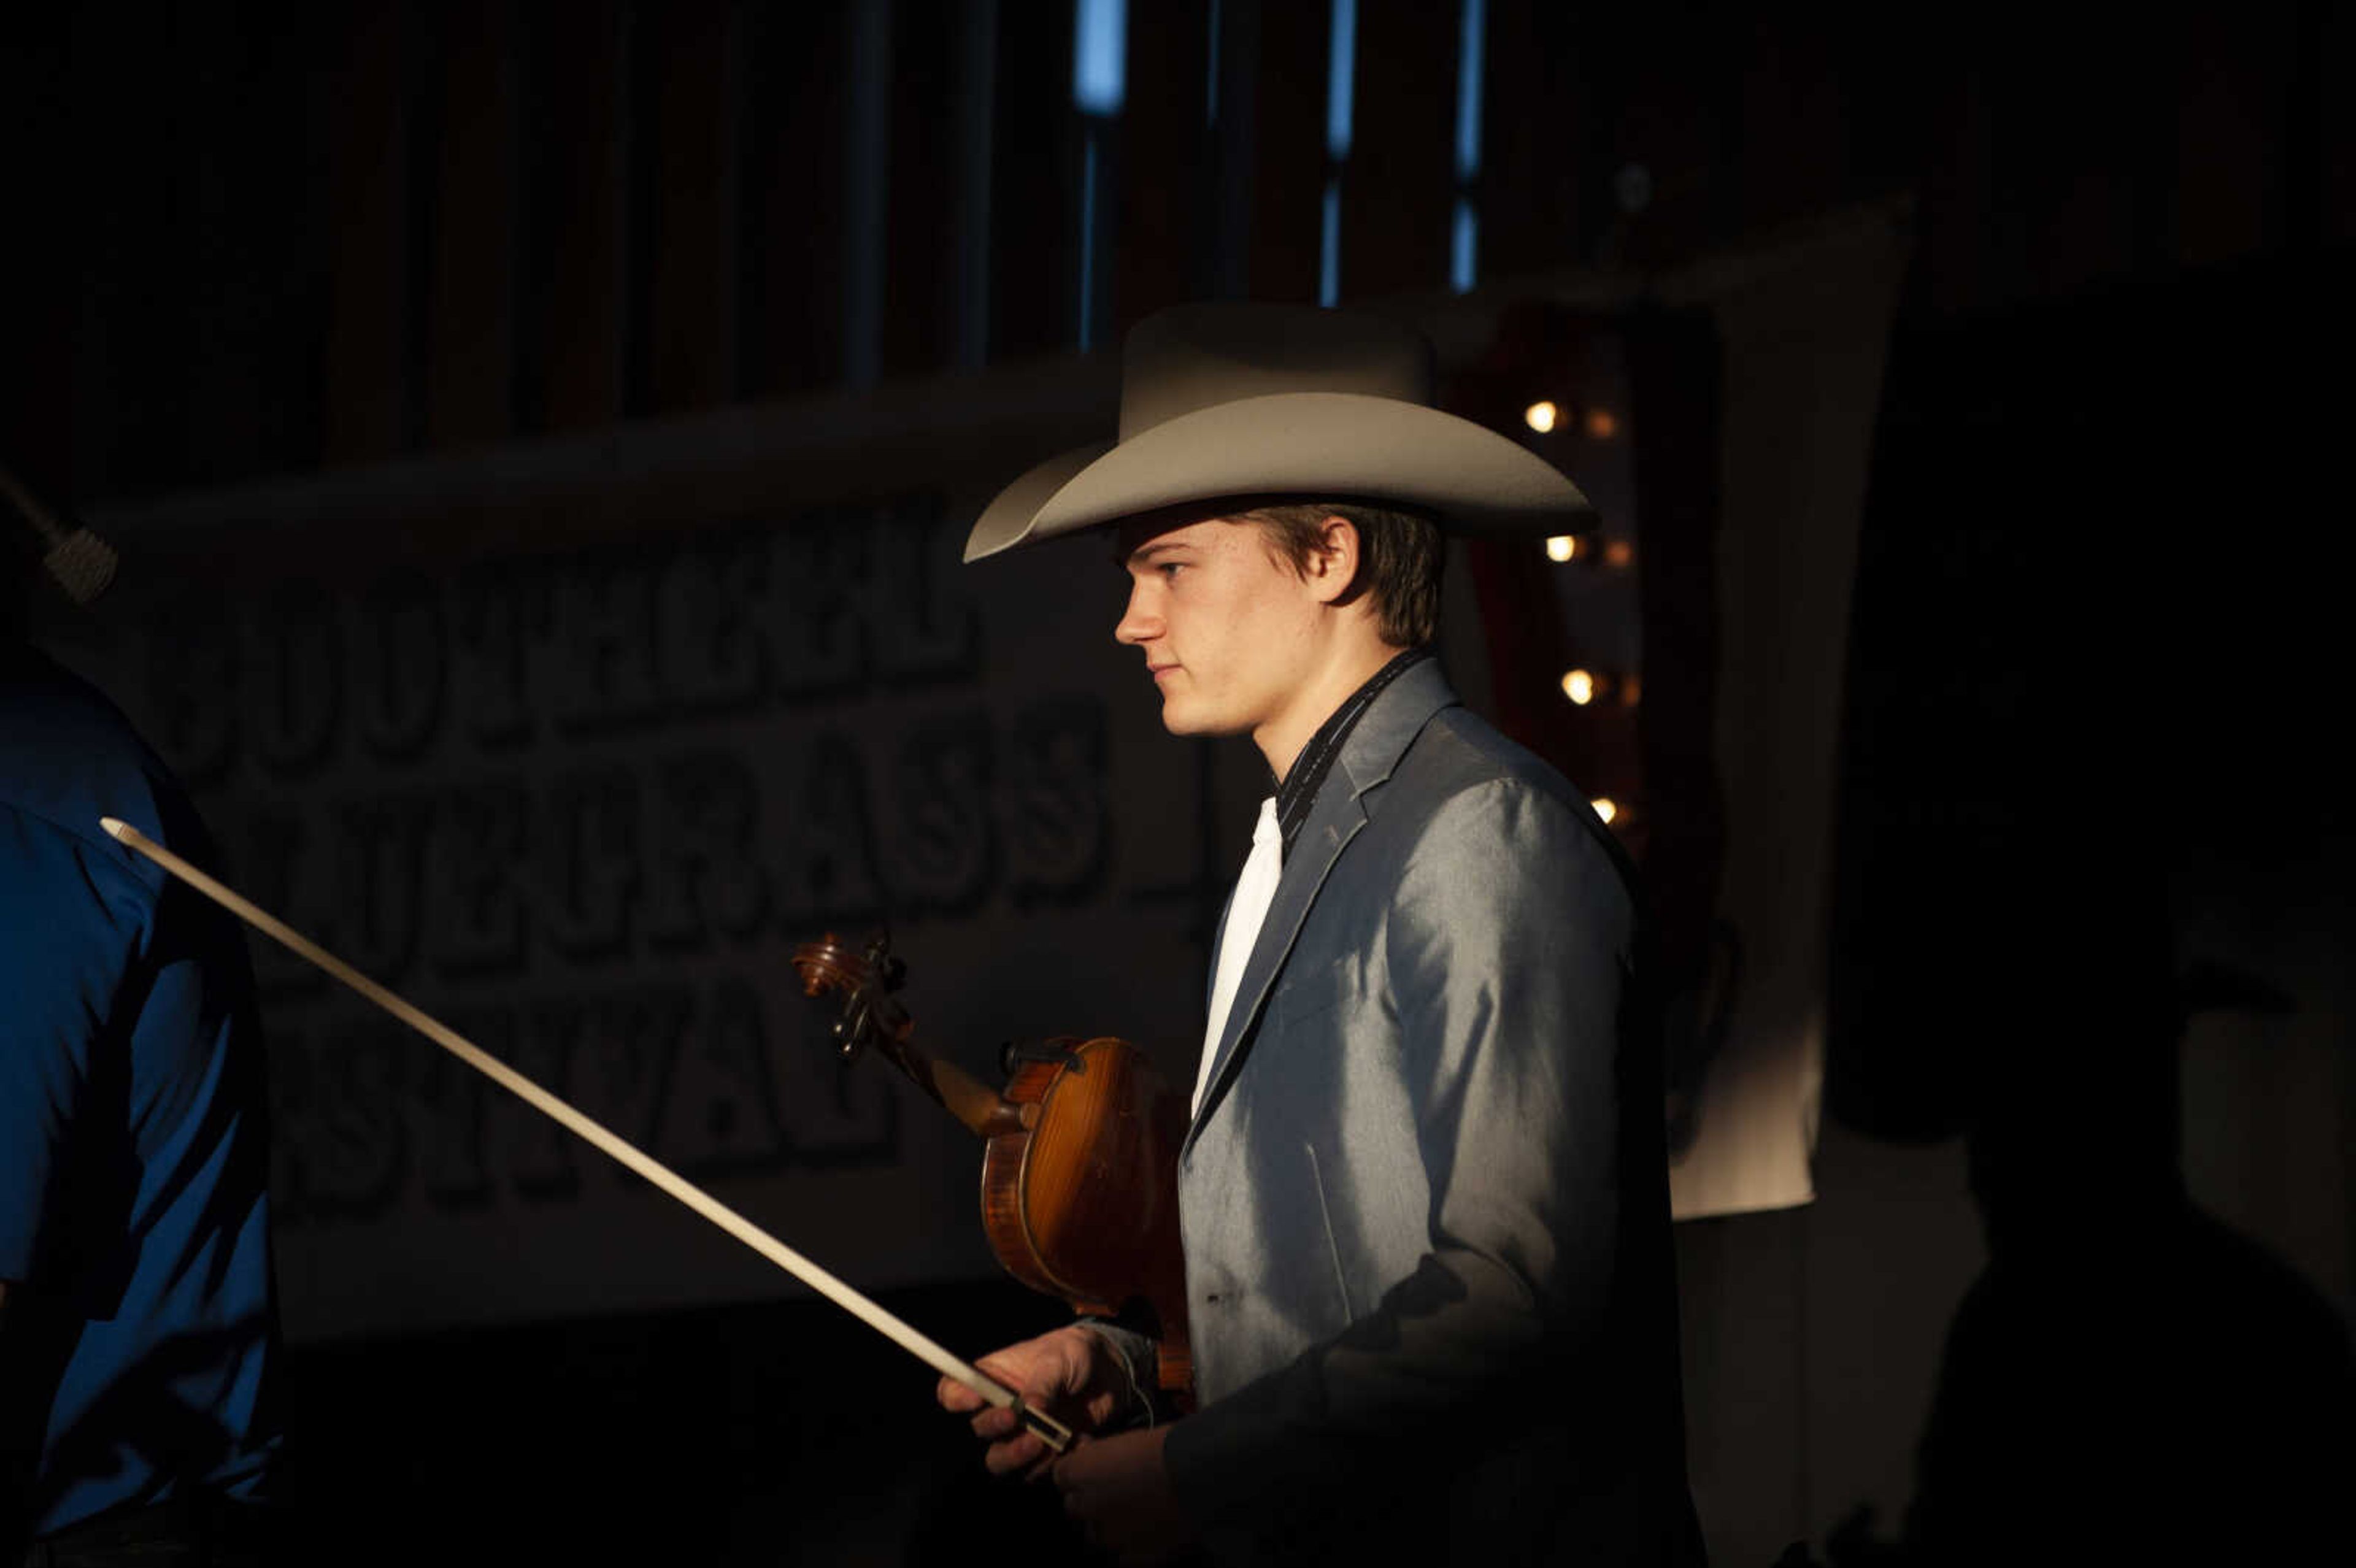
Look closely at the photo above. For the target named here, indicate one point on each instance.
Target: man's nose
(1138, 624)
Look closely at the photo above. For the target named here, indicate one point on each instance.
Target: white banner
(581, 796)
(1806, 328)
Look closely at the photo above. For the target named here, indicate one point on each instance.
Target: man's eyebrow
(1145, 553)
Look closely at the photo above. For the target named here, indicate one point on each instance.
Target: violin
(1079, 1172)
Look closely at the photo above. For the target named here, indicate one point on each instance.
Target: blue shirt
(133, 1154)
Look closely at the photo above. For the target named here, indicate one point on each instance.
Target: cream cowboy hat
(1262, 400)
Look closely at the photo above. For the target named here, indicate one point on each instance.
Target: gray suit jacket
(1424, 1201)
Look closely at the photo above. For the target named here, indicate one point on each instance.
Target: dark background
(2090, 778)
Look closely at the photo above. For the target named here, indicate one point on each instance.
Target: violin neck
(982, 1109)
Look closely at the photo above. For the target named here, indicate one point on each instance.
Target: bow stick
(1047, 1428)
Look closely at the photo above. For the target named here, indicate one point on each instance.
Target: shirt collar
(1297, 791)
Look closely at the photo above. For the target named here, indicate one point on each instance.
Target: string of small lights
(1585, 687)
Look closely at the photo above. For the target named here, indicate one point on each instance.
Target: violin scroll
(872, 1016)
(867, 980)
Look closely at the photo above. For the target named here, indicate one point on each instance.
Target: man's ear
(1332, 569)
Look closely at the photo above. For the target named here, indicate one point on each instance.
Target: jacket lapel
(1374, 748)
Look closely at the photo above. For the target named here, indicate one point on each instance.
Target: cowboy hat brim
(1326, 446)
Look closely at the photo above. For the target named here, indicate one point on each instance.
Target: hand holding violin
(1079, 1176)
(1079, 1199)
(1114, 1487)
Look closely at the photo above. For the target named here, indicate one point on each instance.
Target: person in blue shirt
(137, 1319)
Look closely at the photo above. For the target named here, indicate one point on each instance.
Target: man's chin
(1182, 718)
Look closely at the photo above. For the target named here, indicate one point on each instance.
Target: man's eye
(1167, 568)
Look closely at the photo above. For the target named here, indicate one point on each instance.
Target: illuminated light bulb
(1601, 425)
(1619, 553)
(1541, 416)
(1562, 547)
(1604, 807)
(1580, 685)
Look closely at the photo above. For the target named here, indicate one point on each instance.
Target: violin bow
(1047, 1428)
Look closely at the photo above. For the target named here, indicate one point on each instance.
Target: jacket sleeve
(1507, 943)
(68, 931)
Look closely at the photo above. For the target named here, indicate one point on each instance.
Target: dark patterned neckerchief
(1297, 791)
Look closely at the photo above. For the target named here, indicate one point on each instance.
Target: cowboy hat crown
(1227, 400)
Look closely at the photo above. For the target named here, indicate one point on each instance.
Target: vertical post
(1099, 93)
(1341, 82)
(632, 157)
(1463, 235)
(977, 97)
(867, 148)
(735, 347)
(423, 61)
(1231, 107)
(528, 166)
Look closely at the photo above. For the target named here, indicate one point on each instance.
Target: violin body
(1079, 1174)
(1084, 1203)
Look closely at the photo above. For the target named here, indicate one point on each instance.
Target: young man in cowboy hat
(1423, 1197)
